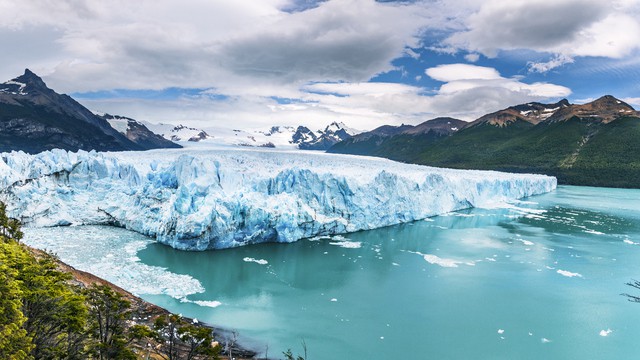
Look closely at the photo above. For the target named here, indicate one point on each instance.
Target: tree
(9, 228)
(51, 312)
(180, 340)
(198, 341)
(56, 313)
(108, 312)
(15, 344)
(167, 330)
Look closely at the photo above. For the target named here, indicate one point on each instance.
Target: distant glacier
(199, 198)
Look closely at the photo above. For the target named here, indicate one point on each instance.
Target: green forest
(44, 314)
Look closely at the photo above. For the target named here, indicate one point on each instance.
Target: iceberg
(199, 198)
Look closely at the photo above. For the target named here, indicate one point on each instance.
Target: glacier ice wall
(196, 199)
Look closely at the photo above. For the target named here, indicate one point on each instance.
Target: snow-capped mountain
(197, 199)
(137, 132)
(282, 137)
(178, 132)
(35, 118)
(321, 139)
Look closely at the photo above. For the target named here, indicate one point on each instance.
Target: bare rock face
(532, 113)
(138, 132)
(34, 118)
(604, 110)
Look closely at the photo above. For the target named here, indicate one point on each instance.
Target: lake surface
(539, 279)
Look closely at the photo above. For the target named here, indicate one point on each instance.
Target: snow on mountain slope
(177, 132)
(282, 137)
(197, 198)
(137, 132)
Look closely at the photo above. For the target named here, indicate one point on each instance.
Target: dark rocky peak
(441, 125)
(388, 130)
(31, 79)
(303, 134)
(26, 84)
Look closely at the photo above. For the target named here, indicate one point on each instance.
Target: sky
(253, 64)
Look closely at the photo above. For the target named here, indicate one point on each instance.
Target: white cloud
(322, 57)
(453, 72)
(633, 101)
(471, 91)
(224, 44)
(543, 67)
(568, 27)
(473, 57)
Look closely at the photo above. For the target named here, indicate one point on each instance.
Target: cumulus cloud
(566, 27)
(470, 91)
(155, 44)
(319, 53)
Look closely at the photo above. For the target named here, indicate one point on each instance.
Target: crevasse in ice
(197, 199)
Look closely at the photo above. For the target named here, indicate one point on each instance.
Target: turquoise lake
(538, 279)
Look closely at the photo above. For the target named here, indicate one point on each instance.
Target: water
(541, 279)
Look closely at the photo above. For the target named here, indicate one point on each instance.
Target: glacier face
(199, 198)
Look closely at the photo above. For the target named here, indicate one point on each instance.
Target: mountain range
(595, 144)
(34, 118)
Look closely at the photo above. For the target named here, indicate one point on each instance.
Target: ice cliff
(196, 199)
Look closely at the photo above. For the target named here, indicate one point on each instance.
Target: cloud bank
(321, 56)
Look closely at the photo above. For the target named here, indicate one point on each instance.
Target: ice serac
(203, 199)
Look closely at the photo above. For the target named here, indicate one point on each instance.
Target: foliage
(181, 340)
(43, 316)
(15, 344)
(577, 151)
(108, 312)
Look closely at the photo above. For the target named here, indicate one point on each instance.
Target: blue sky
(256, 64)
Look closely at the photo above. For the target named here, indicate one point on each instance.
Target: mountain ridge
(591, 144)
(34, 118)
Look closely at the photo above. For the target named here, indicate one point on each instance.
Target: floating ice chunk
(605, 332)
(568, 273)
(334, 300)
(627, 241)
(207, 303)
(526, 242)
(347, 244)
(589, 231)
(433, 259)
(257, 261)
(500, 331)
(545, 340)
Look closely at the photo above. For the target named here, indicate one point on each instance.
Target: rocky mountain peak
(31, 79)
(605, 109)
(24, 85)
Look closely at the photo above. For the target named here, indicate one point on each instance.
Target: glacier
(201, 198)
